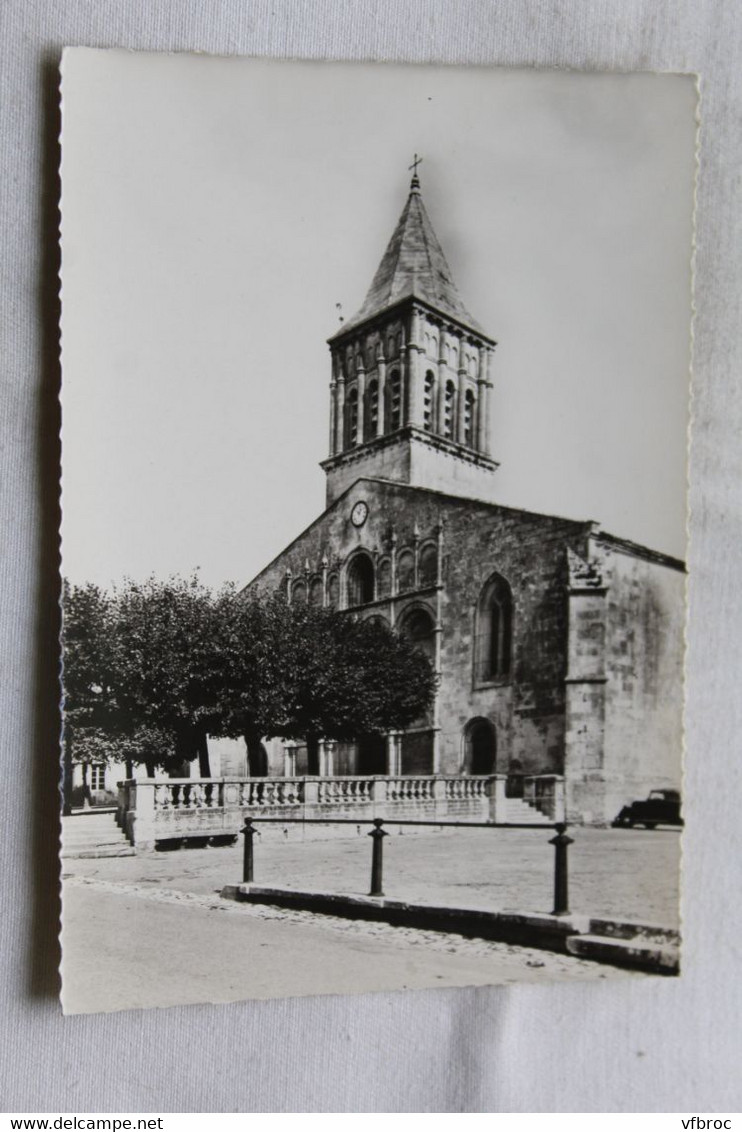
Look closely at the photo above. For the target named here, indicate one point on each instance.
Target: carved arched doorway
(480, 747)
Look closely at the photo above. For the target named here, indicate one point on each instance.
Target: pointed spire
(414, 266)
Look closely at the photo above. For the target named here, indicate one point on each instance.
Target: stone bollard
(247, 863)
(377, 857)
(561, 881)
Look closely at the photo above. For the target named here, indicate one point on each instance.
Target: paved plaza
(140, 929)
(627, 874)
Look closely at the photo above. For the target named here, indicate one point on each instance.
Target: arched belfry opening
(361, 580)
(480, 747)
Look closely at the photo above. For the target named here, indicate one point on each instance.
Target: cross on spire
(415, 182)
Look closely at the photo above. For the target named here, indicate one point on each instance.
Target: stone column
(481, 421)
(381, 412)
(393, 746)
(333, 409)
(497, 803)
(361, 386)
(393, 563)
(340, 411)
(142, 819)
(461, 396)
(289, 760)
(585, 687)
(415, 385)
(441, 390)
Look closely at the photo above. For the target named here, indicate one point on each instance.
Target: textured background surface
(633, 1046)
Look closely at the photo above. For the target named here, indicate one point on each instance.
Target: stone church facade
(558, 647)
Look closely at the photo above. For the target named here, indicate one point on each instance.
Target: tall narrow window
(384, 585)
(351, 418)
(428, 401)
(395, 400)
(316, 592)
(494, 631)
(428, 565)
(299, 592)
(333, 591)
(405, 571)
(449, 408)
(371, 419)
(469, 418)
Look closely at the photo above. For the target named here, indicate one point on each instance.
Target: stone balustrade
(160, 809)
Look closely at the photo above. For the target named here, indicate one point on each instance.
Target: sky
(215, 211)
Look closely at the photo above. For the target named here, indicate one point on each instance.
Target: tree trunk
(312, 754)
(202, 746)
(86, 795)
(67, 774)
(256, 760)
(129, 768)
(150, 767)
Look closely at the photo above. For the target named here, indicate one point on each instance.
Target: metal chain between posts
(561, 879)
(377, 834)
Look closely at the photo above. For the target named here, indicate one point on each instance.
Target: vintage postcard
(375, 411)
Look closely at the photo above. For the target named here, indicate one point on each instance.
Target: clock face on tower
(359, 514)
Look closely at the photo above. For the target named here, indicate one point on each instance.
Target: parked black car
(662, 807)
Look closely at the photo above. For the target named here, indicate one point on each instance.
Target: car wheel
(650, 824)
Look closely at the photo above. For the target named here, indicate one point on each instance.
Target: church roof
(413, 266)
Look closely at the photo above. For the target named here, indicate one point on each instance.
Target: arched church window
(316, 592)
(299, 592)
(384, 578)
(360, 580)
(333, 591)
(469, 418)
(428, 565)
(405, 571)
(494, 630)
(418, 627)
(372, 409)
(428, 400)
(395, 400)
(449, 408)
(351, 418)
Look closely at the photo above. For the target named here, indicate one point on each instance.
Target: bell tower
(410, 387)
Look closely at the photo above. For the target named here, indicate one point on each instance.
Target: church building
(558, 647)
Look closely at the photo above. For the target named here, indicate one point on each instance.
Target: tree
(303, 672)
(159, 666)
(167, 669)
(87, 673)
(141, 666)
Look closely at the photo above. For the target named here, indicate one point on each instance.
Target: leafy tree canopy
(161, 665)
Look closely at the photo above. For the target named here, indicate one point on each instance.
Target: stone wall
(644, 692)
(625, 680)
(527, 708)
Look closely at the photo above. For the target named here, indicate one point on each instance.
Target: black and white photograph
(375, 411)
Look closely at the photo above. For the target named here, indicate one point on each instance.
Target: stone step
(652, 955)
(97, 836)
(516, 810)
